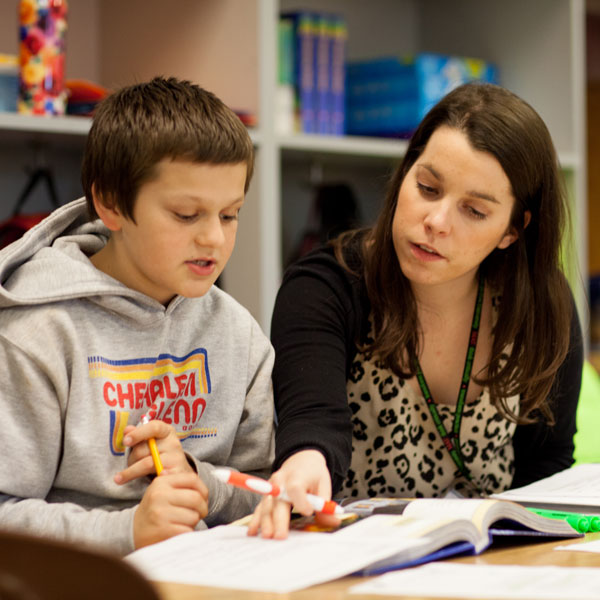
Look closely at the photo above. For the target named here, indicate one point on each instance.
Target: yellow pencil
(153, 449)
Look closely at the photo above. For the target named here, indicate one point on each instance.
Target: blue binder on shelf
(305, 35)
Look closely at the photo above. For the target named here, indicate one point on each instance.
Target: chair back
(33, 568)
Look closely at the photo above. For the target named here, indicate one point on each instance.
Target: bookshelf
(230, 47)
(536, 45)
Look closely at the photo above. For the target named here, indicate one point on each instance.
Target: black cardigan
(320, 312)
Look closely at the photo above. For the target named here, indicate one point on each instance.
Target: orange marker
(262, 486)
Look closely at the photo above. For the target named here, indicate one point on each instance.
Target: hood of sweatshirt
(50, 264)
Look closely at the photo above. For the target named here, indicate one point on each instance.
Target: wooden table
(527, 554)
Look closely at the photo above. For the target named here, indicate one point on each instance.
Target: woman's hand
(302, 473)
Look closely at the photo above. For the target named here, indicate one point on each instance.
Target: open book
(446, 526)
(576, 489)
(427, 529)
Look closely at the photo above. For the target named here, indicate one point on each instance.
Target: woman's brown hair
(536, 306)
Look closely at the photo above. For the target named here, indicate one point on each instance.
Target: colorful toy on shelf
(43, 27)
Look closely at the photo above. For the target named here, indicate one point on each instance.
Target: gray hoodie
(83, 356)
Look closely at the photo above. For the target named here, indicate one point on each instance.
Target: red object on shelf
(247, 118)
(81, 90)
(15, 227)
(83, 96)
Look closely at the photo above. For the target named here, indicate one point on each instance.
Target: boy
(108, 320)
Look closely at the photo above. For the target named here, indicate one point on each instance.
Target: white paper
(226, 557)
(582, 547)
(487, 581)
(579, 485)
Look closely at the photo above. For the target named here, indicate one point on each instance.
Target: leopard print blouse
(397, 450)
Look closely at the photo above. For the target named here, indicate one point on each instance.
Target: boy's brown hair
(140, 125)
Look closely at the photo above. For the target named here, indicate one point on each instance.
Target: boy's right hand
(172, 504)
(302, 473)
(139, 459)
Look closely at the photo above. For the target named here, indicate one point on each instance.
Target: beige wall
(117, 42)
(82, 59)
(192, 39)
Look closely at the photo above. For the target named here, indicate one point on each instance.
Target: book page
(226, 557)
(487, 581)
(433, 532)
(381, 527)
(466, 508)
(478, 515)
(579, 485)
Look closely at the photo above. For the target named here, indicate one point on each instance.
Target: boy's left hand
(140, 463)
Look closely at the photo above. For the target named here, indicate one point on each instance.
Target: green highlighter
(579, 522)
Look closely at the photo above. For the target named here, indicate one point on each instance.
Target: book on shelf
(316, 58)
(338, 34)
(576, 489)
(285, 94)
(389, 95)
(416, 531)
(321, 71)
(304, 36)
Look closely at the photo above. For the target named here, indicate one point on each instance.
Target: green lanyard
(452, 441)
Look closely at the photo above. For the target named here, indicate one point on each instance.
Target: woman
(440, 350)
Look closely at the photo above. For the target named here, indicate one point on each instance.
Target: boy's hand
(172, 504)
(140, 463)
(305, 471)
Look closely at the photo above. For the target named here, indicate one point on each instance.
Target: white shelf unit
(55, 126)
(538, 46)
(230, 47)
